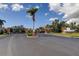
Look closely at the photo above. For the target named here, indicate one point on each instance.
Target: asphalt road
(44, 45)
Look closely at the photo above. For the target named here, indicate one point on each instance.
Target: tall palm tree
(32, 12)
(2, 22)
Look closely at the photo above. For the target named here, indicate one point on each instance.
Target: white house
(68, 30)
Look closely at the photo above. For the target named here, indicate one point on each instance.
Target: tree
(2, 23)
(77, 28)
(56, 26)
(72, 25)
(62, 25)
(41, 29)
(48, 28)
(32, 12)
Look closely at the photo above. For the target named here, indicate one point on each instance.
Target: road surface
(44, 45)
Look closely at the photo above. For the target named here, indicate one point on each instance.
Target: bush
(30, 32)
(1, 31)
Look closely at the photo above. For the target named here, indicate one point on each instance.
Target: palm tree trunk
(34, 24)
(0, 27)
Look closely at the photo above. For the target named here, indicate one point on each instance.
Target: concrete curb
(32, 37)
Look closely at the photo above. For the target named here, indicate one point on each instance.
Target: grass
(2, 35)
(66, 34)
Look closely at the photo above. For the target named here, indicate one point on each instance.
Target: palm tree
(62, 25)
(55, 25)
(72, 25)
(48, 28)
(2, 22)
(32, 12)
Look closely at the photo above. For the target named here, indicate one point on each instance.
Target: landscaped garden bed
(31, 34)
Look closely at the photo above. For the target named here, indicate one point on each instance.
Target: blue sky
(15, 14)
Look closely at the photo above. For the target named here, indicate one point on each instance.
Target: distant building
(68, 30)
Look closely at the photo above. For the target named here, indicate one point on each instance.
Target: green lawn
(66, 34)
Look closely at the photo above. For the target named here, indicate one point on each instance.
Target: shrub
(1, 31)
(30, 32)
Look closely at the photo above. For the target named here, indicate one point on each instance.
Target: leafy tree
(58, 26)
(77, 28)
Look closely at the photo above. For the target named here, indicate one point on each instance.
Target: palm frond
(32, 11)
(2, 22)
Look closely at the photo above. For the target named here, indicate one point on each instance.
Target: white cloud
(17, 7)
(54, 6)
(52, 19)
(71, 10)
(27, 8)
(3, 6)
(28, 16)
(60, 13)
(46, 14)
(37, 7)
(73, 20)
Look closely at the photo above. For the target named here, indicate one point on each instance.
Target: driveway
(44, 45)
